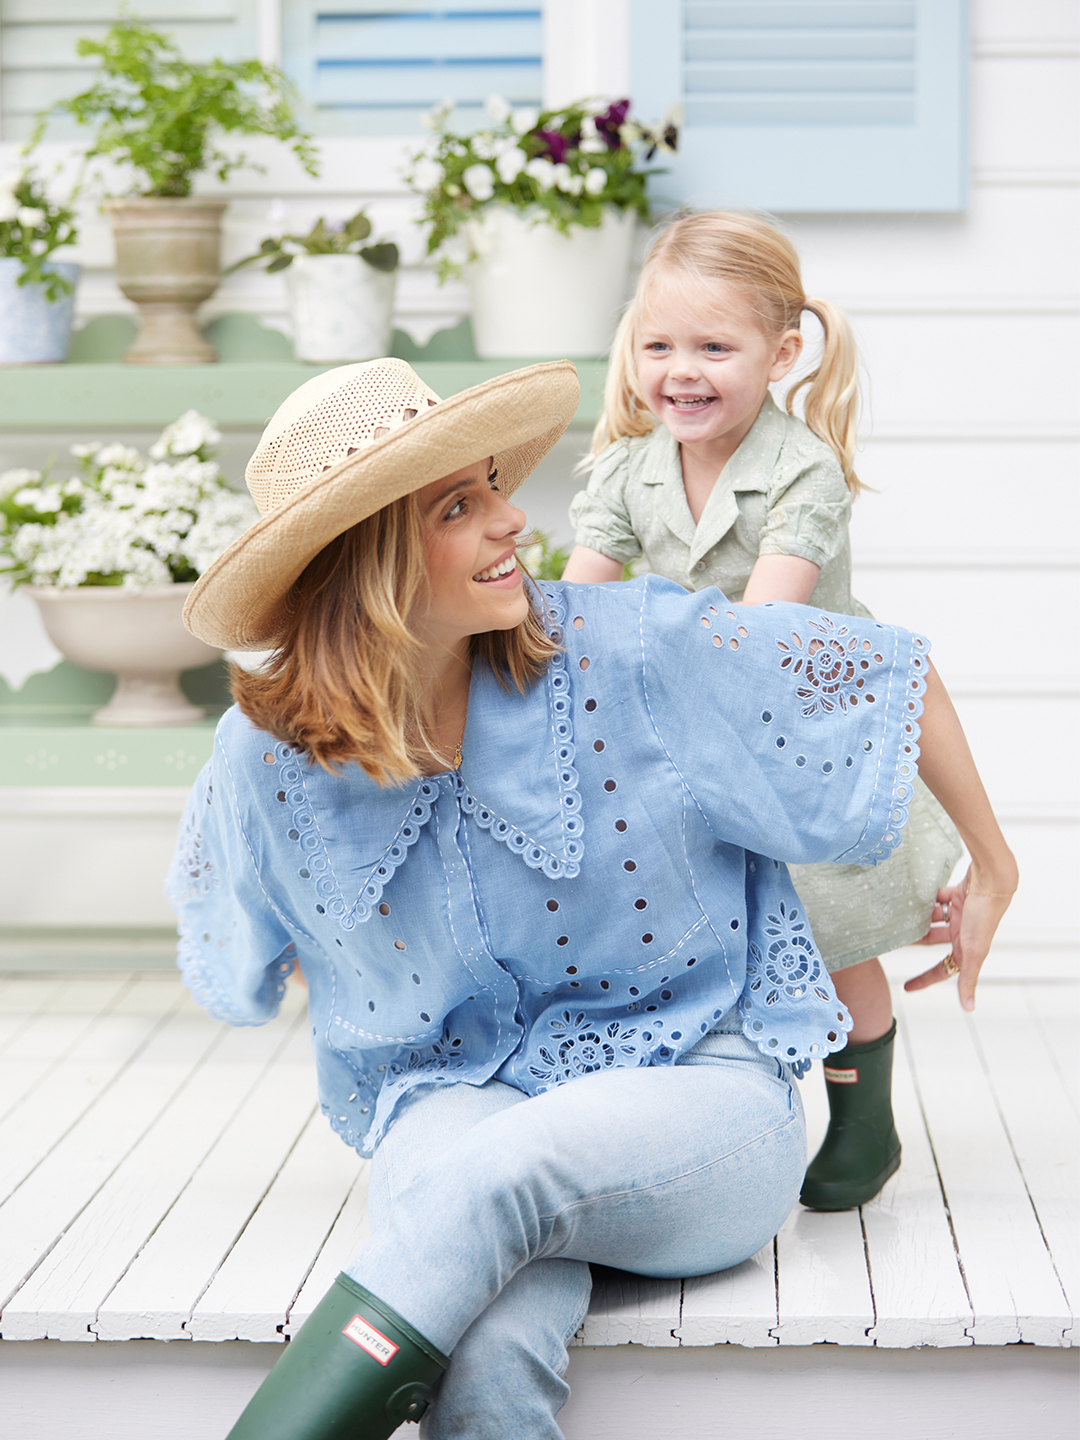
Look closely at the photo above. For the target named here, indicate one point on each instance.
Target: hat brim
(238, 603)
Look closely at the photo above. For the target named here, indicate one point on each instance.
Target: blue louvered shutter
(801, 105)
(38, 63)
(374, 67)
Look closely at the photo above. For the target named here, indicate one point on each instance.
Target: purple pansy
(557, 145)
(609, 123)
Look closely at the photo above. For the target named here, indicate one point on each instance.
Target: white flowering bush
(122, 520)
(565, 167)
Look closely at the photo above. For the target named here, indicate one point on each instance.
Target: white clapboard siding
(1015, 1292)
(39, 66)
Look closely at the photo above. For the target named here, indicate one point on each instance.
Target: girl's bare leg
(865, 991)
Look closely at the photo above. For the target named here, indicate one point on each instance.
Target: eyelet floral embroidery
(579, 1046)
(829, 667)
(791, 963)
(446, 1053)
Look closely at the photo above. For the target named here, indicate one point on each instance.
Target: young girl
(728, 490)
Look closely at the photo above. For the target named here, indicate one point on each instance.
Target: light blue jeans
(488, 1205)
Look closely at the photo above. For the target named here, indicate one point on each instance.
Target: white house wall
(968, 327)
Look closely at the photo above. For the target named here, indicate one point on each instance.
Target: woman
(568, 1027)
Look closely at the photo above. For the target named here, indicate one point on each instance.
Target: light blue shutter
(374, 67)
(38, 64)
(805, 105)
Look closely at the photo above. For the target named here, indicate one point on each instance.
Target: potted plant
(37, 293)
(110, 555)
(539, 212)
(341, 289)
(162, 115)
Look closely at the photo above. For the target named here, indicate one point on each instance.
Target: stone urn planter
(340, 307)
(541, 294)
(168, 261)
(137, 634)
(34, 330)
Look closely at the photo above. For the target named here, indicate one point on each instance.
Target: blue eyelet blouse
(599, 882)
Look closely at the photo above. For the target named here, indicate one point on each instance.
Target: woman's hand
(965, 918)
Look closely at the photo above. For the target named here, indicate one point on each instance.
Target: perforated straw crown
(345, 444)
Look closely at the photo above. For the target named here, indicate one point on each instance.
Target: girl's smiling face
(705, 365)
(470, 533)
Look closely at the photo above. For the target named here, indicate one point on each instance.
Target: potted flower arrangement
(539, 211)
(161, 114)
(341, 289)
(37, 293)
(110, 555)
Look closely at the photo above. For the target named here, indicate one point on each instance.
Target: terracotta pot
(541, 294)
(137, 634)
(33, 329)
(168, 260)
(340, 307)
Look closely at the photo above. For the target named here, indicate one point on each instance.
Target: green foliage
(31, 228)
(542, 559)
(159, 112)
(278, 252)
(566, 166)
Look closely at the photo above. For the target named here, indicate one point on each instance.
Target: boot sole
(842, 1195)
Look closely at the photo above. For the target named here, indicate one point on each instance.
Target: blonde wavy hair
(748, 252)
(348, 679)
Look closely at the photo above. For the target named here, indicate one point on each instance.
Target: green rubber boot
(861, 1148)
(355, 1371)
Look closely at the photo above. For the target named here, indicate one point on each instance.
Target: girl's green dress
(781, 493)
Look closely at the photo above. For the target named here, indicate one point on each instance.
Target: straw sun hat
(344, 445)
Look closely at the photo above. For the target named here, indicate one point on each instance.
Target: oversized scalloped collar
(351, 836)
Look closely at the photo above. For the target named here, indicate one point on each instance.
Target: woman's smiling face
(470, 533)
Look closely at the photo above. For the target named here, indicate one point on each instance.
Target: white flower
(563, 178)
(426, 173)
(592, 146)
(189, 435)
(9, 206)
(577, 184)
(595, 180)
(510, 164)
(484, 145)
(524, 120)
(123, 457)
(29, 217)
(542, 171)
(438, 115)
(479, 181)
(498, 108)
(84, 452)
(12, 480)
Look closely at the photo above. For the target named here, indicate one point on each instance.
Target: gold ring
(950, 966)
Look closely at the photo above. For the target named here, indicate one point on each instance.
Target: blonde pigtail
(832, 402)
(625, 414)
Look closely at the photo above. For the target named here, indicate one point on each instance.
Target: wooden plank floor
(165, 1177)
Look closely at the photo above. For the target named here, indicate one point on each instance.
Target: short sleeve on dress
(599, 513)
(809, 516)
(234, 952)
(794, 731)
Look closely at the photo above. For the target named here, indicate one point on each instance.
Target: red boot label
(373, 1341)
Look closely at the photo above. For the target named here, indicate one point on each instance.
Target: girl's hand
(964, 918)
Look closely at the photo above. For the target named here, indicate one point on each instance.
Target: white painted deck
(165, 1177)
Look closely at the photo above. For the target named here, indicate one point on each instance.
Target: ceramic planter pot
(33, 329)
(168, 260)
(341, 308)
(540, 294)
(138, 635)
